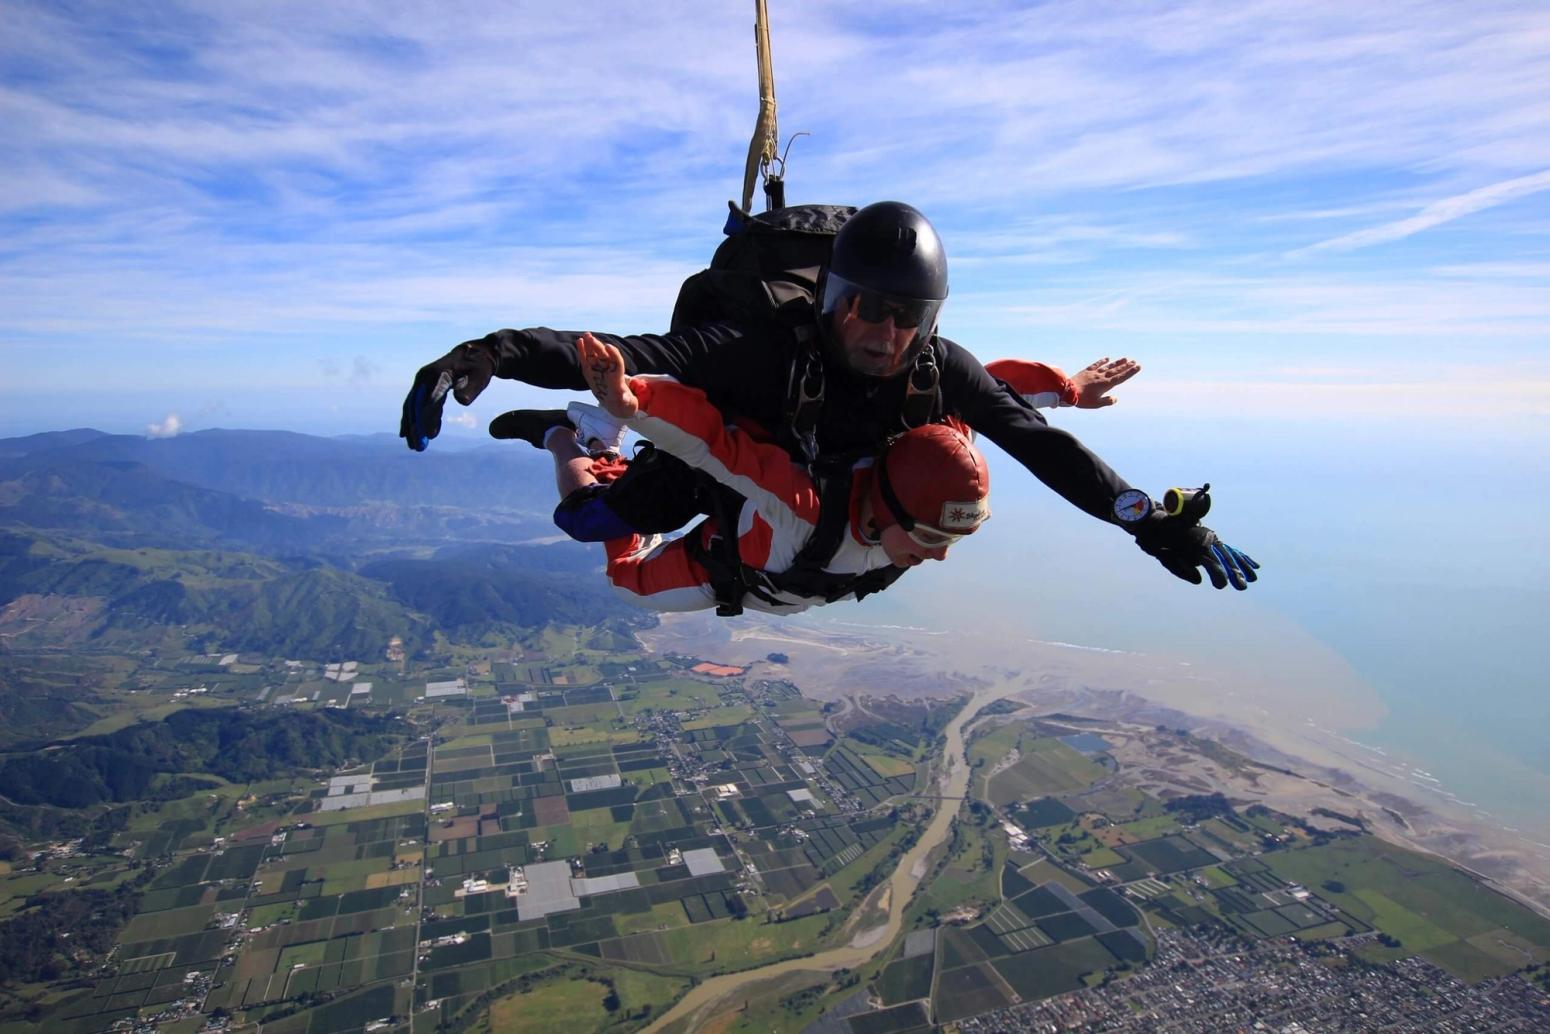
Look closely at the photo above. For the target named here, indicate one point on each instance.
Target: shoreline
(1324, 766)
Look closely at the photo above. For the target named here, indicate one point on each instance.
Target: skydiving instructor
(872, 348)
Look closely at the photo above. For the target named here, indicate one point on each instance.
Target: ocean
(1411, 554)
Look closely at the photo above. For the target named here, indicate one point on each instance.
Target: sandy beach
(1302, 728)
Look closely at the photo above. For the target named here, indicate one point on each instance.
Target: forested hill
(470, 589)
(235, 744)
(120, 502)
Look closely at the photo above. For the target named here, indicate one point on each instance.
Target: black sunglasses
(906, 312)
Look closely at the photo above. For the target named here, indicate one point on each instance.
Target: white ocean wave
(1080, 646)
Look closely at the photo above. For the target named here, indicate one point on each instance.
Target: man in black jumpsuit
(876, 315)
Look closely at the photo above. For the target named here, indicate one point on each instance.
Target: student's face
(872, 349)
(904, 551)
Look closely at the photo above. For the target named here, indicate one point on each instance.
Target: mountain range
(275, 542)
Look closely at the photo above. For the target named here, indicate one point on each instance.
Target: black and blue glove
(465, 372)
(1184, 547)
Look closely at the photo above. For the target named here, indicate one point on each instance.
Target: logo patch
(964, 516)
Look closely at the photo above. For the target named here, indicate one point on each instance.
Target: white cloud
(167, 428)
(1487, 397)
(363, 371)
(1436, 213)
(1498, 271)
(460, 419)
(1257, 312)
(237, 188)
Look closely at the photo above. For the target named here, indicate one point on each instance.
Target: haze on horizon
(1323, 228)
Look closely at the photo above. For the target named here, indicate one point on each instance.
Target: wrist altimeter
(1133, 506)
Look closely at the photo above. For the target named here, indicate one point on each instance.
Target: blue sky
(1324, 228)
(271, 213)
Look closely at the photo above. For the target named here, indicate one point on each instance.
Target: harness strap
(732, 581)
(805, 402)
(833, 522)
(721, 560)
(805, 394)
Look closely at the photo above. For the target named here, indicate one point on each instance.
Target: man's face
(872, 349)
(904, 551)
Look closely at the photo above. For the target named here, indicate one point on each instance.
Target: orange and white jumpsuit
(775, 523)
(782, 500)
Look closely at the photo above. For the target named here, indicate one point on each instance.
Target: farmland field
(1425, 904)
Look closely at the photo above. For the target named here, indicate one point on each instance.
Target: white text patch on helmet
(964, 516)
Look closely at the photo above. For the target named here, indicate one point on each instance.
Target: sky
(1323, 228)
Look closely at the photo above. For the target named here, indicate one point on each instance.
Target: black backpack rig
(767, 272)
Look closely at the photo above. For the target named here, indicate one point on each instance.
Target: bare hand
(603, 366)
(1094, 381)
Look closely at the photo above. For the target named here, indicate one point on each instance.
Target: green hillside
(222, 600)
(237, 745)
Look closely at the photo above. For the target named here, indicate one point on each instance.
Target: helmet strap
(890, 498)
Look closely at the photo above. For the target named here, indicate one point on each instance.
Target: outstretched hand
(1094, 381)
(1184, 548)
(463, 372)
(603, 366)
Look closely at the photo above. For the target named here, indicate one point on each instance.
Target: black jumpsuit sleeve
(708, 357)
(1054, 456)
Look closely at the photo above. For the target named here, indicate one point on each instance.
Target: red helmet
(933, 483)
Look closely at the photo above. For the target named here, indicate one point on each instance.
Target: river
(695, 1005)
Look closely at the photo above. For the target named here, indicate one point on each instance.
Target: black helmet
(887, 262)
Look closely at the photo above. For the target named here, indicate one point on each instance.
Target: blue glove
(1183, 547)
(465, 372)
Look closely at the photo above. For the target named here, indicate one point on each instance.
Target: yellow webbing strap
(763, 148)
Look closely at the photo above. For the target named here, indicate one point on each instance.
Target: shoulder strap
(804, 403)
(833, 520)
(808, 575)
(721, 558)
(732, 580)
(805, 396)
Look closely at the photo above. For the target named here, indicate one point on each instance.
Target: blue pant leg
(585, 516)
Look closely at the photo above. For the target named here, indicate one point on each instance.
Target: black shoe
(530, 425)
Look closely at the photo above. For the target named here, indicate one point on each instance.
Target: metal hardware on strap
(920, 392)
(805, 402)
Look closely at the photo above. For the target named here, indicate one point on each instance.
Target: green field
(554, 1008)
(1044, 871)
(985, 751)
(170, 923)
(1102, 858)
(1045, 767)
(734, 714)
(1424, 903)
(674, 694)
(972, 873)
(340, 877)
(731, 944)
(906, 979)
(335, 943)
(1049, 971)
